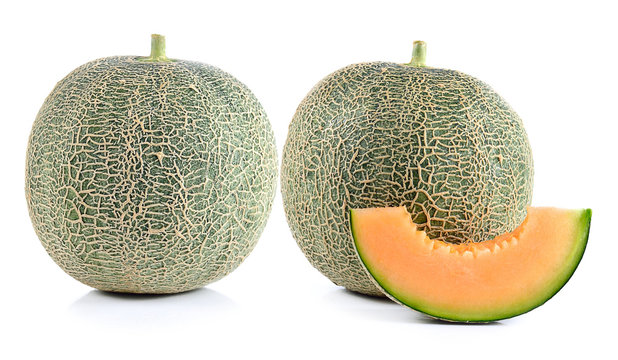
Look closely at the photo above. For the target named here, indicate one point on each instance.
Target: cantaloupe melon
(439, 142)
(471, 282)
(149, 174)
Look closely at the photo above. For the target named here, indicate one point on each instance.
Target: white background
(554, 62)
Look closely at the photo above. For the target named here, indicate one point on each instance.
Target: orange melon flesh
(473, 282)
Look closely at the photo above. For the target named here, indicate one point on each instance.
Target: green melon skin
(379, 134)
(150, 177)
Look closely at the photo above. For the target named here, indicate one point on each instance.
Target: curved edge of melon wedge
(476, 282)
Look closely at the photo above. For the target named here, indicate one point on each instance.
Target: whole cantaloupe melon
(150, 175)
(379, 134)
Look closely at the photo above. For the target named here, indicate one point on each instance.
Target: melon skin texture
(473, 282)
(439, 142)
(149, 176)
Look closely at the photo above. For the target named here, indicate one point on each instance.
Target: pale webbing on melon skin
(150, 177)
(381, 134)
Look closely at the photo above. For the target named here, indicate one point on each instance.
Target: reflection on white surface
(382, 309)
(146, 310)
(370, 307)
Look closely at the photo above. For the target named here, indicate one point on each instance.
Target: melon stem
(419, 53)
(157, 49)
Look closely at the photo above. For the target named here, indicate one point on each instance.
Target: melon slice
(472, 282)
